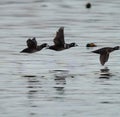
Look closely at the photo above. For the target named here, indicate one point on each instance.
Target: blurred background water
(59, 84)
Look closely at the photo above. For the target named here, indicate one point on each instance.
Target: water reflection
(29, 76)
(32, 86)
(32, 114)
(60, 80)
(105, 73)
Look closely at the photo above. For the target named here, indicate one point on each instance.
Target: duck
(88, 5)
(104, 53)
(91, 45)
(59, 41)
(32, 46)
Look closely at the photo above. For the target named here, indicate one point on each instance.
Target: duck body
(56, 48)
(59, 42)
(59, 48)
(104, 53)
(28, 50)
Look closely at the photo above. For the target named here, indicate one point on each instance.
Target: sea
(68, 83)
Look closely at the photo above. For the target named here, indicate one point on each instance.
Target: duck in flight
(104, 53)
(59, 42)
(32, 46)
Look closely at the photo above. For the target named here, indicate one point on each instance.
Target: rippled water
(59, 84)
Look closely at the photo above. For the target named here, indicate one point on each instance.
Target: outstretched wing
(30, 44)
(104, 58)
(34, 40)
(59, 38)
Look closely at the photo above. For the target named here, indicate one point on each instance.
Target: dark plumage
(59, 42)
(104, 53)
(88, 5)
(32, 46)
(91, 45)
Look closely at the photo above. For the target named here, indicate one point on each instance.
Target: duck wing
(30, 44)
(34, 41)
(59, 38)
(103, 50)
(104, 58)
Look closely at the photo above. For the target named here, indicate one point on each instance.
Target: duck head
(72, 45)
(90, 45)
(116, 48)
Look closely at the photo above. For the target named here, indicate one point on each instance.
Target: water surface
(58, 84)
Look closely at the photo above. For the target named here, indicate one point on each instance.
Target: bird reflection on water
(33, 88)
(104, 73)
(60, 80)
(60, 83)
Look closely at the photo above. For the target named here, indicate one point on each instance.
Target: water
(58, 84)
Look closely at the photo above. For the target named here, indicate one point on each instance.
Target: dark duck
(59, 42)
(32, 46)
(104, 53)
(91, 45)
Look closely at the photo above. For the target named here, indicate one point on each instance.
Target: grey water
(68, 83)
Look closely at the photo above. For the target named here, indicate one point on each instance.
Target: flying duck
(104, 53)
(59, 42)
(32, 46)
